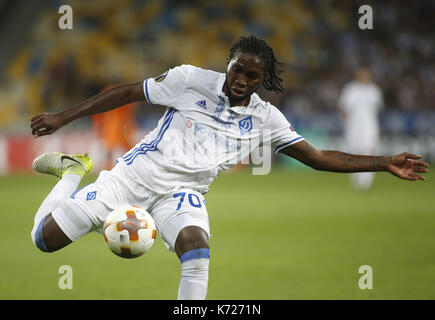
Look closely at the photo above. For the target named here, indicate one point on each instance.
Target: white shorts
(89, 206)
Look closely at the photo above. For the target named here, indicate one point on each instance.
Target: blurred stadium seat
(116, 41)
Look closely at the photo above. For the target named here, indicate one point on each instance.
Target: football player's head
(363, 75)
(252, 63)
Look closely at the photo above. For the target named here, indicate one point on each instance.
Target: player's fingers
(43, 132)
(36, 133)
(41, 129)
(34, 118)
(420, 177)
(420, 169)
(421, 163)
(35, 123)
(414, 177)
(412, 156)
(38, 126)
(410, 177)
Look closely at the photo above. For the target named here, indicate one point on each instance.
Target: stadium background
(307, 233)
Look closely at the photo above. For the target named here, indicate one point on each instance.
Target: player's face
(363, 75)
(245, 73)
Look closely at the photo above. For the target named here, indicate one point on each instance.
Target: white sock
(194, 279)
(61, 191)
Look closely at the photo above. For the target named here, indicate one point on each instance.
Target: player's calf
(69, 169)
(193, 250)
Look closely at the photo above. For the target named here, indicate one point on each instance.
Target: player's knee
(192, 238)
(48, 237)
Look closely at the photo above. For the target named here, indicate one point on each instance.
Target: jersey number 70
(193, 199)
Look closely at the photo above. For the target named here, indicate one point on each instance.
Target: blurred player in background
(115, 129)
(205, 109)
(360, 103)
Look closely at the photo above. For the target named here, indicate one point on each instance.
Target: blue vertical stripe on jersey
(167, 115)
(144, 148)
(146, 92)
(152, 144)
(277, 148)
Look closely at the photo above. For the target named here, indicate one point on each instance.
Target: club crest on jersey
(91, 195)
(245, 125)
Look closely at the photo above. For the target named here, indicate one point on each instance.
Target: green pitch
(292, 234)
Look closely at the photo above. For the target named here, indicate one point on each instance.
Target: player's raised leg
(182, 220)
(70, 169)
(193, 250)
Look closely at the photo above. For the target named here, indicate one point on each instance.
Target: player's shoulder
(201, 73)
(262, 102)
(195, 69)
(376, 87)
(202, 78)
(192, 76)
(264, 109)
(259, 103)
(351, 85)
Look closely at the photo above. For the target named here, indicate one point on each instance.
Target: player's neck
(239, 103)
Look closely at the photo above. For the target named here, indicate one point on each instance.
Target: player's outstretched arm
(405, 166)
(49, 122)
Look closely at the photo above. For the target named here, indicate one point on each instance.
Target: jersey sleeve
(166, 88)
(282, 133)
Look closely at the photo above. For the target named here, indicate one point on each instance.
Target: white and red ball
(129, 231)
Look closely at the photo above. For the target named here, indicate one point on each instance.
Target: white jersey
(362, 104)
(200, 134)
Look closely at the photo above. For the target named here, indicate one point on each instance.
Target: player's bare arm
(49, 122)
(405, 165)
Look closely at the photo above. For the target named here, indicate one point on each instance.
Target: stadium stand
(129, 40)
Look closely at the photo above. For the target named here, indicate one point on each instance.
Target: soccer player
(210, 115)
(108, 125)
(360, 103)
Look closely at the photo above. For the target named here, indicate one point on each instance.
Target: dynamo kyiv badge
(91, 195)
(245, 125)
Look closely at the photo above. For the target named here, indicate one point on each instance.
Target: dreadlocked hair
(260, 48)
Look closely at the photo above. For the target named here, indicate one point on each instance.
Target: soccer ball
(129, 231)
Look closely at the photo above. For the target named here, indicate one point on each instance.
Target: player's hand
(45, 123)
(407, 166)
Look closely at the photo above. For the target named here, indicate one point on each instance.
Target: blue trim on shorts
(195, 254)
(39, 241)
(75, 192)
(147, 96)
